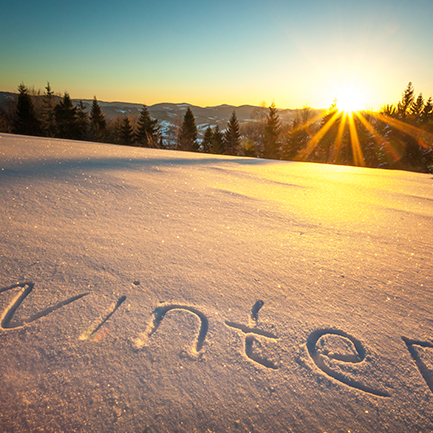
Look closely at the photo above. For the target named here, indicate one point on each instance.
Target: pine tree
(83, 132)
(406, 102)
(207, 140)
(296, 139)
(26, 122)
(187, 139)
(147, 132)
(48, 118)
(389, 110)
(271, 134)
(217, 141)
(114, 130)
(66, 119)
(98, 124)
(427, 112)
(329, 149)
(126, 134)
(232, 136)
(417, 107)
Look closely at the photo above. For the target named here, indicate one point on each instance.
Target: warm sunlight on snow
(151, 290)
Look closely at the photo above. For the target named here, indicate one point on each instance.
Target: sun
(350, 99)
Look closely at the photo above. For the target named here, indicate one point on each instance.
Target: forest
(399, 136)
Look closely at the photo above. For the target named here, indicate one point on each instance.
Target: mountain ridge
(170, 111)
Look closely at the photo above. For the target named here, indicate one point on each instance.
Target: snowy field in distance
(147, 290)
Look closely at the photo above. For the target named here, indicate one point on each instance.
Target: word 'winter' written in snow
(314, 344)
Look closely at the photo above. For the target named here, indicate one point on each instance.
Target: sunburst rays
(345, 126)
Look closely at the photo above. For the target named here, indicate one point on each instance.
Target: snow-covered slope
(150, 290)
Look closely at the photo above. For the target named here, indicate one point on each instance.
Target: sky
(222, 52)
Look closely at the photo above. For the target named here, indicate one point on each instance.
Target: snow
(165, 127)
(142, 271)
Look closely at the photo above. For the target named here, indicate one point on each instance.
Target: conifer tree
(427, 112)
(417, 107)
(232, 136)
(26, 122)
(389, 110)
(412, 153)
(82, 122)
(48, 119)
(98, 124)
(217, 141)
(329, 148)
(65, 114)
(296, 139)
(147, 132)
(114, 130)
(207, 140)
(126, 134)
(187, 139)
(271, 134)
(406, 101)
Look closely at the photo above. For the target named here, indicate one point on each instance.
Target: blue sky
(210, 53)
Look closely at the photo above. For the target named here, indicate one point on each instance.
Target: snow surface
(145, 290)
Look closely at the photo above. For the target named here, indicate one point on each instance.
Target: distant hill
(167, 112)
(170, 114)
(5, 99)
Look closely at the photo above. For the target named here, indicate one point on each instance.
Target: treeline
(399, 136)
(51, 115)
